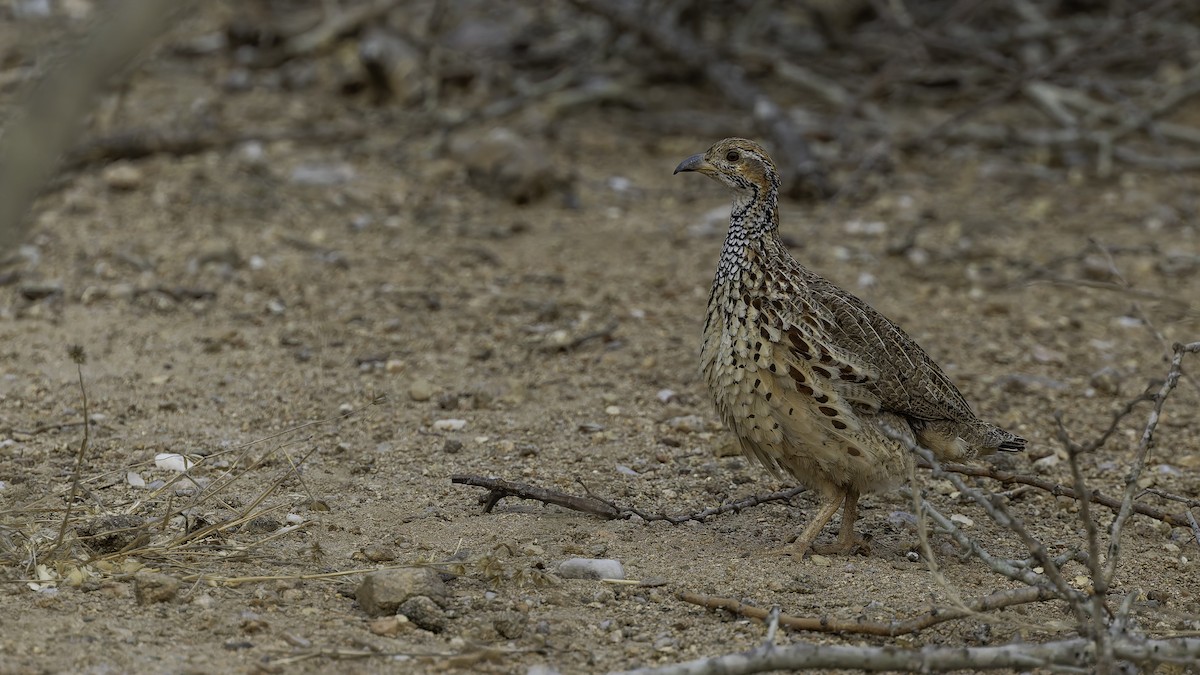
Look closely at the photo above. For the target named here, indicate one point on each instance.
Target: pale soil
(328, 297)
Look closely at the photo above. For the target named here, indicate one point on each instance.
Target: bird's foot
(797, 550)
(844, 545)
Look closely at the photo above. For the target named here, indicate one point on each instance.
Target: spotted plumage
(814, 382)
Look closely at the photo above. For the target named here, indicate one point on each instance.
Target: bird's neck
(753, 228)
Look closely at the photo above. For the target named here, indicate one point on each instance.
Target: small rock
(665, 395)
(612, 411)
(1043, 354)
(262, 525)
(1178, 264)
(425, 613)
(1097, 268)
(122, 176)
(389, 626)
(962, 520)
(510, 625)
(322, 174)
(1020, 383)
(382, 592)
(40, 291)
(451, 446)
(820, 560)
(150, 588)
(449, 425)
(377, 553)
(871, 228)
(1107, 380)
(591, 568)
(1046, 463)
(251, 154)
(393, 66)
(687, 423)
(420, 390)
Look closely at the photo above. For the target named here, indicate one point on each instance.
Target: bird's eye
(732, 156)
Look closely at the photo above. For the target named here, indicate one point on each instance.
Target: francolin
(812, 380)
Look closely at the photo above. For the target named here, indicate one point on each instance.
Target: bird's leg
(847, 539)
(805, 540)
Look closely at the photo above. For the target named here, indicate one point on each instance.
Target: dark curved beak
(693, 163)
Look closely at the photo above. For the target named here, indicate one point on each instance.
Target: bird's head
(741, 164)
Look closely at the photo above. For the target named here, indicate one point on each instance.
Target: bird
(813, 381)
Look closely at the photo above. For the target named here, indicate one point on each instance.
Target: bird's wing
(900, 373)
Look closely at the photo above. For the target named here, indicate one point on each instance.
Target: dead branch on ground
(916, 624)
(1074, 654)
(499, 489)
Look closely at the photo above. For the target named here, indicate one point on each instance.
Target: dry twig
(825, 624)
(499, 489)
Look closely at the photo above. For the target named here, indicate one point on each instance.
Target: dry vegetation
(314, 270)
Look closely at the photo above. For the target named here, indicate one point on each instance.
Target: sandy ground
(232, 308)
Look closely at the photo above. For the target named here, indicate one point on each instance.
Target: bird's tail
(1005, 441)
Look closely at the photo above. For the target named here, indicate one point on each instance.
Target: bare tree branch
(801, 168)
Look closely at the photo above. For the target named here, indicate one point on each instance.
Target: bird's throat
(753, 219)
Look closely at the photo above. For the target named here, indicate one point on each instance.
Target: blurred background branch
(839, 91)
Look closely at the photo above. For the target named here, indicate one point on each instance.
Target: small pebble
(172, 461)
(1107, 381)
(425, 613)
(383, 591)
(322, 174)
(378, 553)
(591, 568)
(1046, 463)
(420, 390)
(510, 625)
(122, 176)
(687, 423)
(150, 588)
(389, 626)
(449, 425)
(820, 560)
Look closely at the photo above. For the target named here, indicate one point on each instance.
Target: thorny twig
(1075, 654)
(827, 624)
(499, 489)
(1143, 452)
